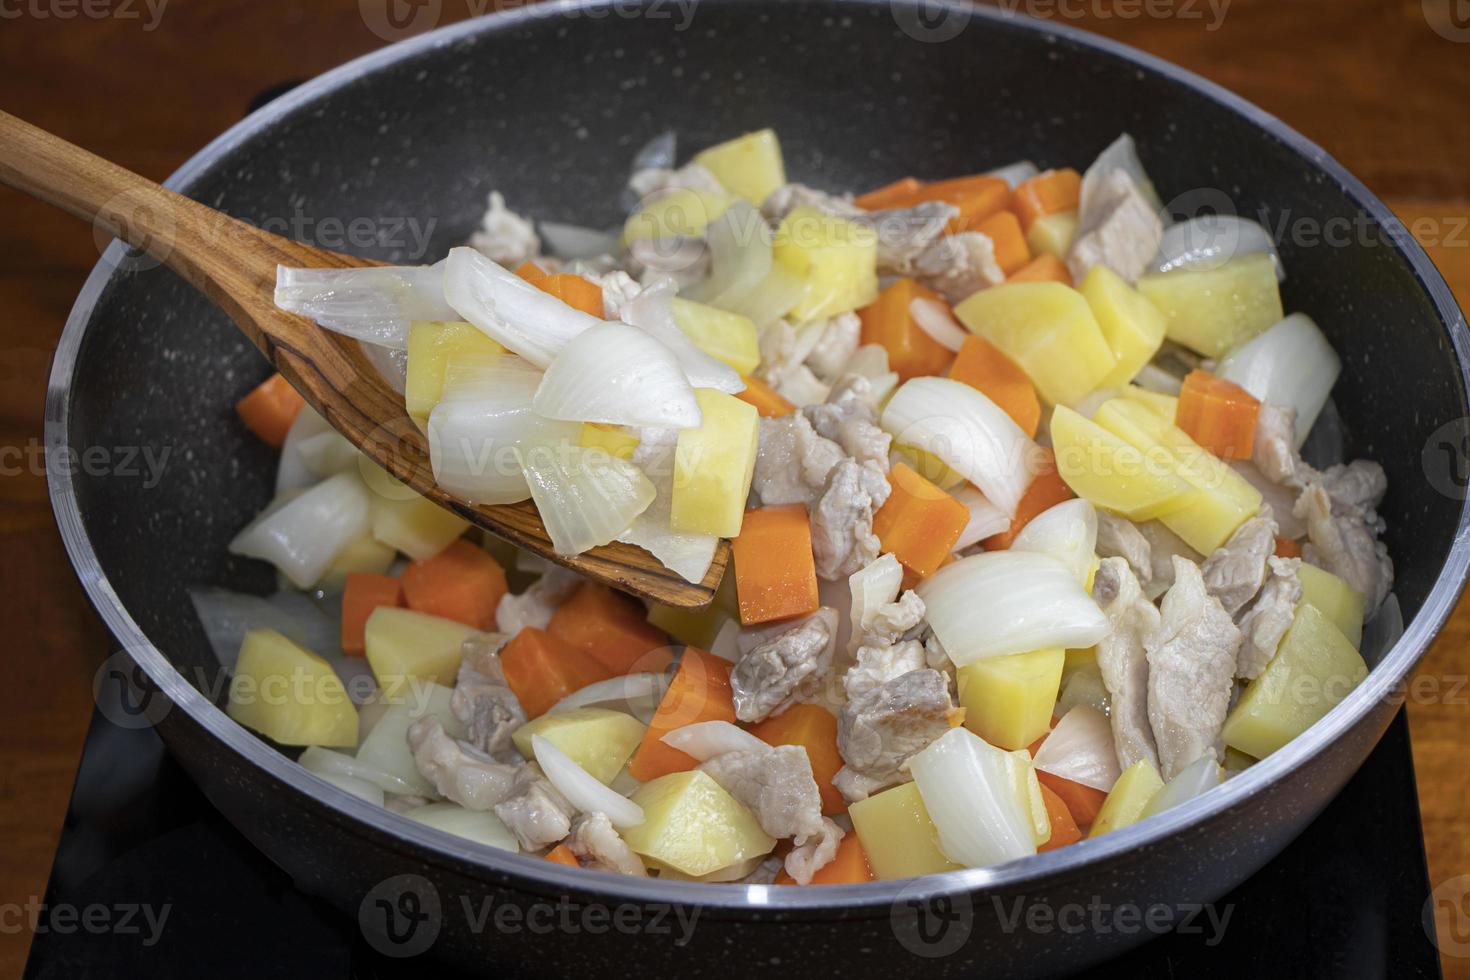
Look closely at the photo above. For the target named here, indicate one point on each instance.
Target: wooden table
(1372, 81)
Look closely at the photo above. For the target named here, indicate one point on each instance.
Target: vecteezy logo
(931, 21)
(1446, 459)
(394, 20)
(931, 926)
(125, 696)
(401, 916)
(1447, 916)
(1450, 19)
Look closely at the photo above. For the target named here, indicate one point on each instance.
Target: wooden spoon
(234, 265)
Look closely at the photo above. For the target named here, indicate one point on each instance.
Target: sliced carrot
(1004, 231)
(531, 272)
(1063, 826)
(1083, 802)
(1044, 268)
(611, 628)
(1218, 414)
(768, 403)
(462, 583)
(360, 596)
(561, 854)
(541, 670)
(887, 322)
(849, 866)
(919, 523)
(1047, 193)
(978, 198)
(700, 691)
(775, 571)
(1288, 547)
(984, 367)
(814, 728)
(1046, 490)
(575, 291)
(895, 195)
(269, 410)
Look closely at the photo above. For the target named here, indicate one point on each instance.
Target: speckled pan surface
(548, 105)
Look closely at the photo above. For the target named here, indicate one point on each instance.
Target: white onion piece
(1384, 628)
(1211, 240)
(328, 453)
(652, 312)
(617, 374)
(1280, 498)
(1154, 378)
(360, 788)
(305, 534)
(871, 361)
(1014, 173)
(744, 278)
(934, 318)
(801, 387)
(1084, 686)
(726, 644)
(227, 616)
(630, 689)
(582, 789)
(521, 318)
(480, 826)
(390, 362)
(1121, 154)
(1066, 532)
(586, 498)
(373, 304)
(573, 242)
(968, 431)
(1081, 749)
(707, 739)
(1193, 780)
(292, 472)
(1005, 602)
(985, 518)
(1290, 364)
(968, 789)
(872, 587)
(326, 762)
(357, 678)
(688, 555)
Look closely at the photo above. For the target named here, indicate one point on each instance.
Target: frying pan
(549, 104)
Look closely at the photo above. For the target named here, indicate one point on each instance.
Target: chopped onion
(1211, 240)
(968, 431)
(1084, 686)
(390, 362)
(652, 312)
(326, 762)
(618, 374)
(357, 678)
(360, 788)
(1081, 749)
(726, 644)
(871, 361)
(305, 534)
(328, 453)
(1290, 364)
(1154, 378)
(292, 473)
(1014, 173)
(968, 788)
(573, 242)
(1193, 780)
(227, 616)
(586, 499)
(1383, 629)
(1066, 532)
(1005, 602)
(658, 153)
(1279, 497)
(934, 318)
(801, 387)
(582, 789)
(744, 277)
(985, 518)
(707, 739)
(523, 319)
(872, 587)
(1121, 154)
(373, 304)
(630, 689)
(480, 826)
(686, 554)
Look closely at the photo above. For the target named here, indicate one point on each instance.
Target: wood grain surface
(1381, 84)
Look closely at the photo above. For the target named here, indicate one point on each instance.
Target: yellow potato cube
(836, 260)
(1130, 795)
(403, 520)
(677, 214)
(695, 627)
(1132, 326)
(432, 346)
(1215, 310)
(1314, 668)
(897, 834)
(1164, 406)
(1008, 700)
(1046, 328)
(725, 336)
(597, 739)
(611, 439)
(750, 165)
(713, 465)
(405, 648)
(1237, 761)
(1053, 234)
(692, 825)
(929, 466)
(289, 694)
(1110, 473)
(1335, 599)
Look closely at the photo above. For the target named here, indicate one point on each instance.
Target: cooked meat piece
(1191, 672)
(1121, 659)
(1342, 537)
(905, 233)
(598, 845)
(785, 669)
(893, 620)
(776, 785)
(838, 343)
(958, 266)
(842, 518)
(792, 462)
(654, 181)
(808, 858)
(483, 701)
(779, 351)
(878, 662)
(849, 418)
(1357, 486)
(1118, 537)
(854, 786)
(684, 259)
(877, 732)
(801, 387)
(504, 236)
(1164, 545)
(618, 288)
(783, 200)
(459, 771)
(1237, 569)
(1274, 450)
(535, 606)
(536, 813)
(1119, 229)
(1268, 618)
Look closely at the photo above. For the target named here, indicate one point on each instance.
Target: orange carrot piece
(918, 522)
(981, 199)
(1004, 230)
(1218, 414)
(541, 670)
(1047, 193)
(362, 594)
(561, 854)
(1288, 547)
(767, 401)
(887, 322)
(531, 272)
(462, 583)
(848, 867)
(984, 367)
(612, 629)
(814, 728)
(1044, 268)
(775, 571)
(1046, 491)
(1063, 826)
(700, 691)
(575, 291)
(269, 410)
(1083, 802)
(896, 194)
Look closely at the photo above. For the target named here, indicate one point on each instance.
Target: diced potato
(725, 336)
(1110, 473)
(1130, 795)
(750, 165)
(1046, 328)
(1008, 700)
(597, 739)
(897, 834)
(1237, 761)
(1335, 599)
(1027, 787)
(1053, 234)
(405, 647)
(403, 520)
(1314, 668)
(692, 825)
(367, 555)
(1164, 406)
(677, 214)
(611, 439)
(695, 627)
(385, 746)
(1132, 326)
(1222, 500)
(713, 465)
(1214, 310)
(289, 694)
(432, 346)
(836, 260)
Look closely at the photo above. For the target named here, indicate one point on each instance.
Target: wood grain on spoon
(234, 265)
